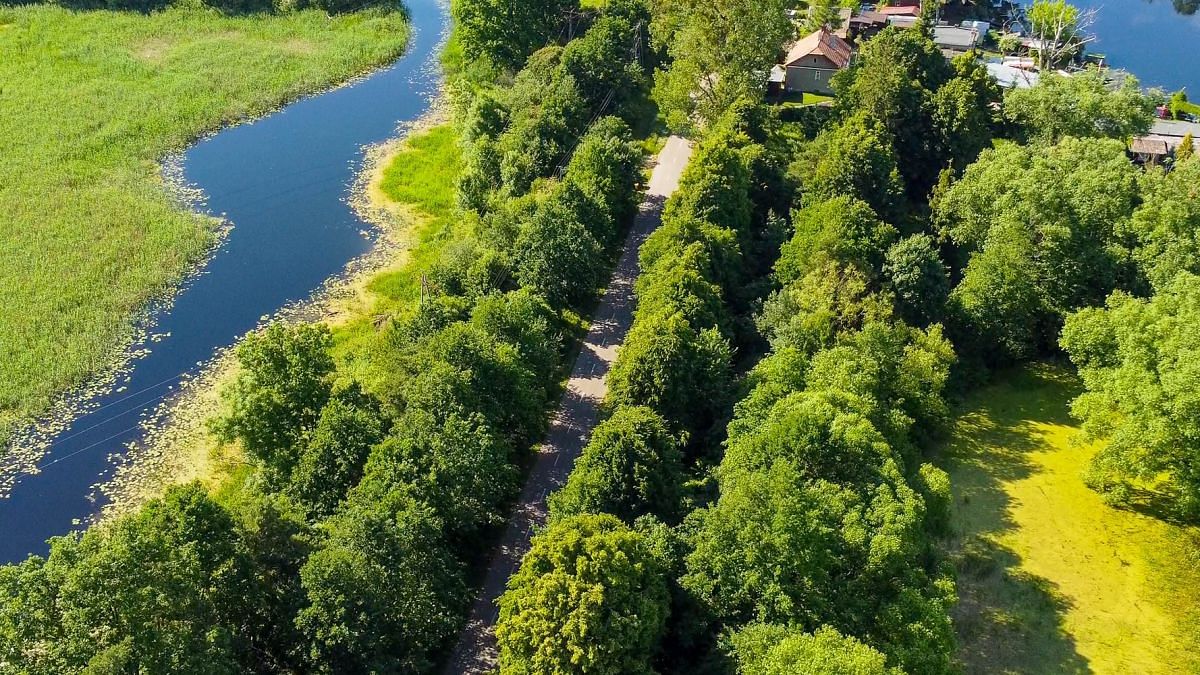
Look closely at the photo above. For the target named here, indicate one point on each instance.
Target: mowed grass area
(1052, 580)
(90, 103)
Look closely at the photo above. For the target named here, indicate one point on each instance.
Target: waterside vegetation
(90, 232)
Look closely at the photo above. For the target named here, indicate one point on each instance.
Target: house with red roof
(895, 10)
(813, 60)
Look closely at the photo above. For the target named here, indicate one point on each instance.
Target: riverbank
(92, 233)
(179, 447)
(1050, 578)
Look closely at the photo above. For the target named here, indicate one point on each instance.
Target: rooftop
(1009, 76)
(1148, 146)
(953, 36)
(899, 11)
(823, 43)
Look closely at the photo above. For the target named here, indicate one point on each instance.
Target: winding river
(283, 183)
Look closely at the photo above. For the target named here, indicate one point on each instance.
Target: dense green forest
(762, 495)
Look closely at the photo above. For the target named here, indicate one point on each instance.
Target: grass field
(90, 103)
(417, 185)
(1051, 580)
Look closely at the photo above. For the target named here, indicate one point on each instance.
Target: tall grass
(422, 178)
(90, 102)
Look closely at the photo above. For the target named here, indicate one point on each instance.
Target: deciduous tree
(721, 51)
(278, 396)
(631, 467)
(1137, 360)
(589, 597)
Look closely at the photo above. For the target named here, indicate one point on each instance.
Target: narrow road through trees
(578, 413)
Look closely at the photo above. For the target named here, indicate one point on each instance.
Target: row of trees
(816, 524)
(812, 544)
(809, 545)
(345, 544)
(818, 550)
(611, 537)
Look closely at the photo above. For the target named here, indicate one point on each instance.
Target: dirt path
(578, 413)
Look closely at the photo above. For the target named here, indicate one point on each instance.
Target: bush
(770, 649)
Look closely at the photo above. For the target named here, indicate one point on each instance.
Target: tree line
(785, 516)
(346, 542)
(933, 230)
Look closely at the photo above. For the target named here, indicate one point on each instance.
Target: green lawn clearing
(90, 103)
(418, 186)
(1052, 580)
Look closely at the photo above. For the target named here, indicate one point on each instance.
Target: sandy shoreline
(177, 446)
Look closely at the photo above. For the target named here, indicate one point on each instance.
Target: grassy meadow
(417, 186)
(90, 103)
(1052, 580)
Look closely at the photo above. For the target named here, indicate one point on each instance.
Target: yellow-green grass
(797, 100)
(421, 178)
(419, 182)
(1052, 580)
(90, 103)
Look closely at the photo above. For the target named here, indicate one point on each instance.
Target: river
(282, 182)
(1156, 40)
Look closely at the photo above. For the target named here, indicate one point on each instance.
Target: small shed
(866, 24)
(955, 39)
(1012, 77)
(813, 60)
(1149, 151)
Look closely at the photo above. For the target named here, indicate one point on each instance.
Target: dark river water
(282, 182)
(1156, 40)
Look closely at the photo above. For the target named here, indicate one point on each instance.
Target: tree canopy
(631, 467)
(1137, 361)
(1080, 105)
(721, 51)
(589, 597)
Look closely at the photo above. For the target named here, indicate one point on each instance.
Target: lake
(282, 182)
(1156, 40)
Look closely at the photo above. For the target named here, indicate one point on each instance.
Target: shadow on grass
(1007, 621)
